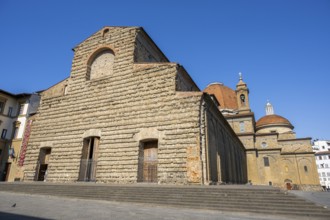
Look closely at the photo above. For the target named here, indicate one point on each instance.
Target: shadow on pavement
(10, 216)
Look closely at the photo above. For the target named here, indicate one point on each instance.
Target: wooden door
(150, 162)
(288, 186)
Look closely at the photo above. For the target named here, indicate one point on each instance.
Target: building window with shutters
(10, 111)
(2, 106)
(21, 109)
(3, 134)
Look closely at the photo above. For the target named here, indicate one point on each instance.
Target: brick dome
(225, 95)
(273, 120)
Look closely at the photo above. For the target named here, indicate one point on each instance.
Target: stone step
(219, 203)
(147, 192)
(214, 191)
(277, 200)
(264, 200)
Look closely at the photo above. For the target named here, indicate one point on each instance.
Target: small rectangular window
(2, 106)
(320, 157)
(3, 134)
(21, 109)
(306, 169)
(65, 89)
(266, 161)
(10, 111)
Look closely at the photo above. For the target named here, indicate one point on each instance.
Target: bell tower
(242, 94)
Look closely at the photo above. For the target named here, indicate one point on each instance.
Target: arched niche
(100, 64)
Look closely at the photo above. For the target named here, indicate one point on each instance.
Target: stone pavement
(34, 207)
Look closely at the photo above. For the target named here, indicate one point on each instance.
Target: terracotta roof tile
(273, 120)
(225, 95)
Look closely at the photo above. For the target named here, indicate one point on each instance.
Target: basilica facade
(126, 114)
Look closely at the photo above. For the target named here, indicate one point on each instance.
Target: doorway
(7, 171)
(148, 162)
(88, 161)
(42, 166)
(42, 172)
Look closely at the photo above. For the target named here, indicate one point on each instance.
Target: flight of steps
(230, 198)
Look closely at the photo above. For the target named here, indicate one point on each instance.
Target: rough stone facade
(114, 111)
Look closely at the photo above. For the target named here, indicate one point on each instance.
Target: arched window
(242, 97)
(101, 64)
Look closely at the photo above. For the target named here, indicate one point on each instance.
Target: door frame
(148, 167)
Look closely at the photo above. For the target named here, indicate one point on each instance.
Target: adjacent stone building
(274, 155)
(125, 115)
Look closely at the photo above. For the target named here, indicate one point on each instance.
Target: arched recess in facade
(89, 155)
(100, 63)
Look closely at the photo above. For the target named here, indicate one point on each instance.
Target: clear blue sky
(281, 46)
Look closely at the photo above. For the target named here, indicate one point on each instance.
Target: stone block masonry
(107, 117)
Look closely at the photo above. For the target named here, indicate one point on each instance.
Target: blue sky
(281, 46)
